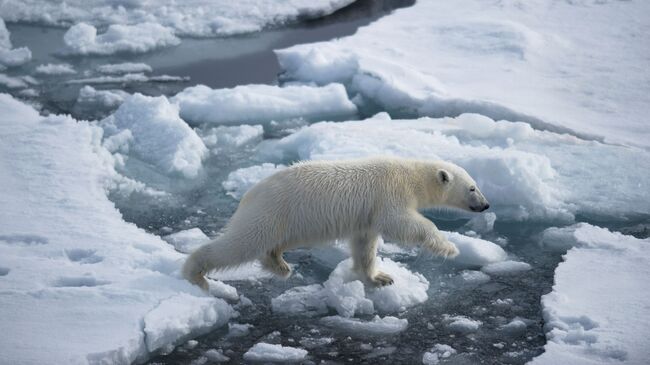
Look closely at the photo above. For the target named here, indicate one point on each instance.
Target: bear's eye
(473, 188)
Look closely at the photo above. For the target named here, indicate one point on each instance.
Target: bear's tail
(219, 254)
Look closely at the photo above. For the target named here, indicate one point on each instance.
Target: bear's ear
(444, 177)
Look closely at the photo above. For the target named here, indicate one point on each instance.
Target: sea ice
(82, 39)
(124, 68)
(198, 18)
(261, 104)
(241, 180)
(462, 324)
(55, 69)
(502, 60)
(9, 56)
(377, 326)
(597, 310)
(154, 133)
(439, 351)
(75, 266)
(275, 353)
(505, 267)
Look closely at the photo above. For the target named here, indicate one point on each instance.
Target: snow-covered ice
(575, 65)
(150, 129)
(55, 69)
(438, 352)
(241, 180)
(74, 266)
(462, 324)
(127, 79)
(262, 104)
(275, 353)
(201, 18)
(387, 325)
(91, 101)
(83, 39)
(344, 292)
(9, 56)
(475, 251)
(124, 68)
(597, 311)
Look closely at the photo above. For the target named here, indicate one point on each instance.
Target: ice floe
(188, 240)
(150, 129)
(9, 56)
(262, 104)
(445, 58)
(55, 69)
(276, 353)
(437, 353)
(124, 68)
(74, 266)
(597, 310)
(387, 325)
(83, 39)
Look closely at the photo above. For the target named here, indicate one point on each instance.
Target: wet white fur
(316, 202)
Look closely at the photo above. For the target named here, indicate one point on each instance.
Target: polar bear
(320, 201)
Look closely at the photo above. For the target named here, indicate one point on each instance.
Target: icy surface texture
(188, 240)
(505, 61)
(74, 266)
(346, 294)
(9, 56)
(597, 311)
(276, 353)
(255, 104)
(202, 18)
(55, 69)
(377, 326)
(150, 129)
(83, 39)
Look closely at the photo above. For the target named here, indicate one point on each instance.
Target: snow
(74, 266)
(123, 68)
(82, 39)
(276, 353)
(241, 180)
(462, 324)
(153, 132)
(188, 240)
(526, 174)
(439, 351)
(55, 69)
(9, 56)
(377, 326)
(98, 102)
(540, 62)
(597, 310)
(224, 138)
(344, 292)
(262, 104)
(202, 18)
(508, 267)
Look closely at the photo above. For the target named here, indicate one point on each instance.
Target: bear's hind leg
(274, 263)
(364, 252)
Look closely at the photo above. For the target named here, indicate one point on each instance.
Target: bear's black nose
(486, 207)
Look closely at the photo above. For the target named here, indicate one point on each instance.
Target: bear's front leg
(363, 247)
(413, 227)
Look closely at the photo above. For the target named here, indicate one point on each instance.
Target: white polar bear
(359, 200)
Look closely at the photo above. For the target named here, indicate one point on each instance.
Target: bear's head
(458, 189)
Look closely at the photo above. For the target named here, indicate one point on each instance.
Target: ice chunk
(228, 137)
(98, 103)
(124, 68)
(344, 292)
(276, 353)
(222, 290)
(11, 57)
(261, 104)
(516, 327)
(55, 69)
(505, 268)
(216, 355)
(482, 223)
(12, 82)
(160, 137)
(581, 235)
(82, 38)
(597, 309)
(474, 277)
(462, 324)
(438, 352)
(241, 180)
(377, 326)
(127, 79)
(175, 318)
(188, 240)
(238, 330)
(475, 251)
